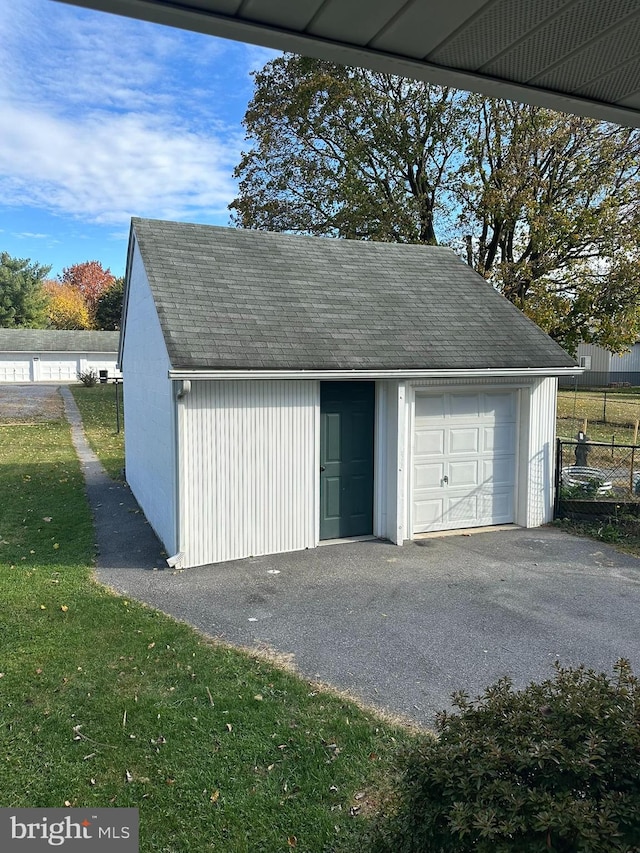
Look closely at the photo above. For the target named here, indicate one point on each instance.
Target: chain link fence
(596, 479)
(602, 379)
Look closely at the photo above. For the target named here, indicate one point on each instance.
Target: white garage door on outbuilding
(15, 370)
(56, 355)
(60, 369)
(464, 460)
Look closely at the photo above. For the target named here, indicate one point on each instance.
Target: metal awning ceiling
(579, 56)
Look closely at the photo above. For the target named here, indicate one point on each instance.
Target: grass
(98, 409)
(623, 533)
(107, 703)
(616, 417)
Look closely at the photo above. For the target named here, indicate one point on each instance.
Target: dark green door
(346, 458)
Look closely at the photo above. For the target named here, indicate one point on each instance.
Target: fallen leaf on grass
(229, 727)
(128, 777)
(64, 608)
(56, 546)
(292, 841)
(47, 518)
(43, 607)
(215, 796)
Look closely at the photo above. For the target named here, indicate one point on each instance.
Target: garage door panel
(429, 442)
(497, 472)
(498, 507)
(499, 407)
(429, 512)
(430, 407)
(499, 438)
(462, 512)
(463, 440)
(464, 460)
(464, 406)
(428, 476)
(463, 475)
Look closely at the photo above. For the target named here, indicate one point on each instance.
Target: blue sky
(104, 118)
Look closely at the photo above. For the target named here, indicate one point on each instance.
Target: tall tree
(22, 299)
(91, 280)
(66, 307)
(545, 206)
(551, 215)
(347, 153)
(109, 308)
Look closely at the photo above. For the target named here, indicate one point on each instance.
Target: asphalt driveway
(402, 628)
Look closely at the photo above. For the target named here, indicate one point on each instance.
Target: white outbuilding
(281, 391)
(56, 355)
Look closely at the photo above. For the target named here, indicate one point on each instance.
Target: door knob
(322, 468)
(445, 479)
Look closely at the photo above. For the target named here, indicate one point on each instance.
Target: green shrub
(89, 378)
(554, 767)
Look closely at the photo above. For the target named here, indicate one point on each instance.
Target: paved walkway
(124, 538)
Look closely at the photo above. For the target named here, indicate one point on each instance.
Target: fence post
(633, 451)
(635, 432)
(604, 409)
(556, 496)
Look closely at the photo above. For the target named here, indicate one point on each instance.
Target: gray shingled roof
(230, 298)
(57, 340)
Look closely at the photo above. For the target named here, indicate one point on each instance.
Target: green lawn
(105, 702)
(99, 417)
(614, 417)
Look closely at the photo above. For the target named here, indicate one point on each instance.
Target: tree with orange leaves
(90, 280)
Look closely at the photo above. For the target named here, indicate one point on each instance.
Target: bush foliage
(554, 767)
(89, 378)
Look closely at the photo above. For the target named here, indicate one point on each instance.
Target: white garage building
(283, 390)
(53, 355)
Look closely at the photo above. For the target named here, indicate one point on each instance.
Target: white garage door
(464, 460)
(15, 371)
(58, 369)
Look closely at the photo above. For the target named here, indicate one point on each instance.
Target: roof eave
(483, 373)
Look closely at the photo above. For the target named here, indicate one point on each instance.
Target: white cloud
(107, 167)
(104, 117)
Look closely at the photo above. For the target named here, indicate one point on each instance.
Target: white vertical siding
(389, 467)
(149, 410)
(628, 362)
(540, 452)
(248, 469)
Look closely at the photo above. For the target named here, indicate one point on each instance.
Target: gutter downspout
(181, 389)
